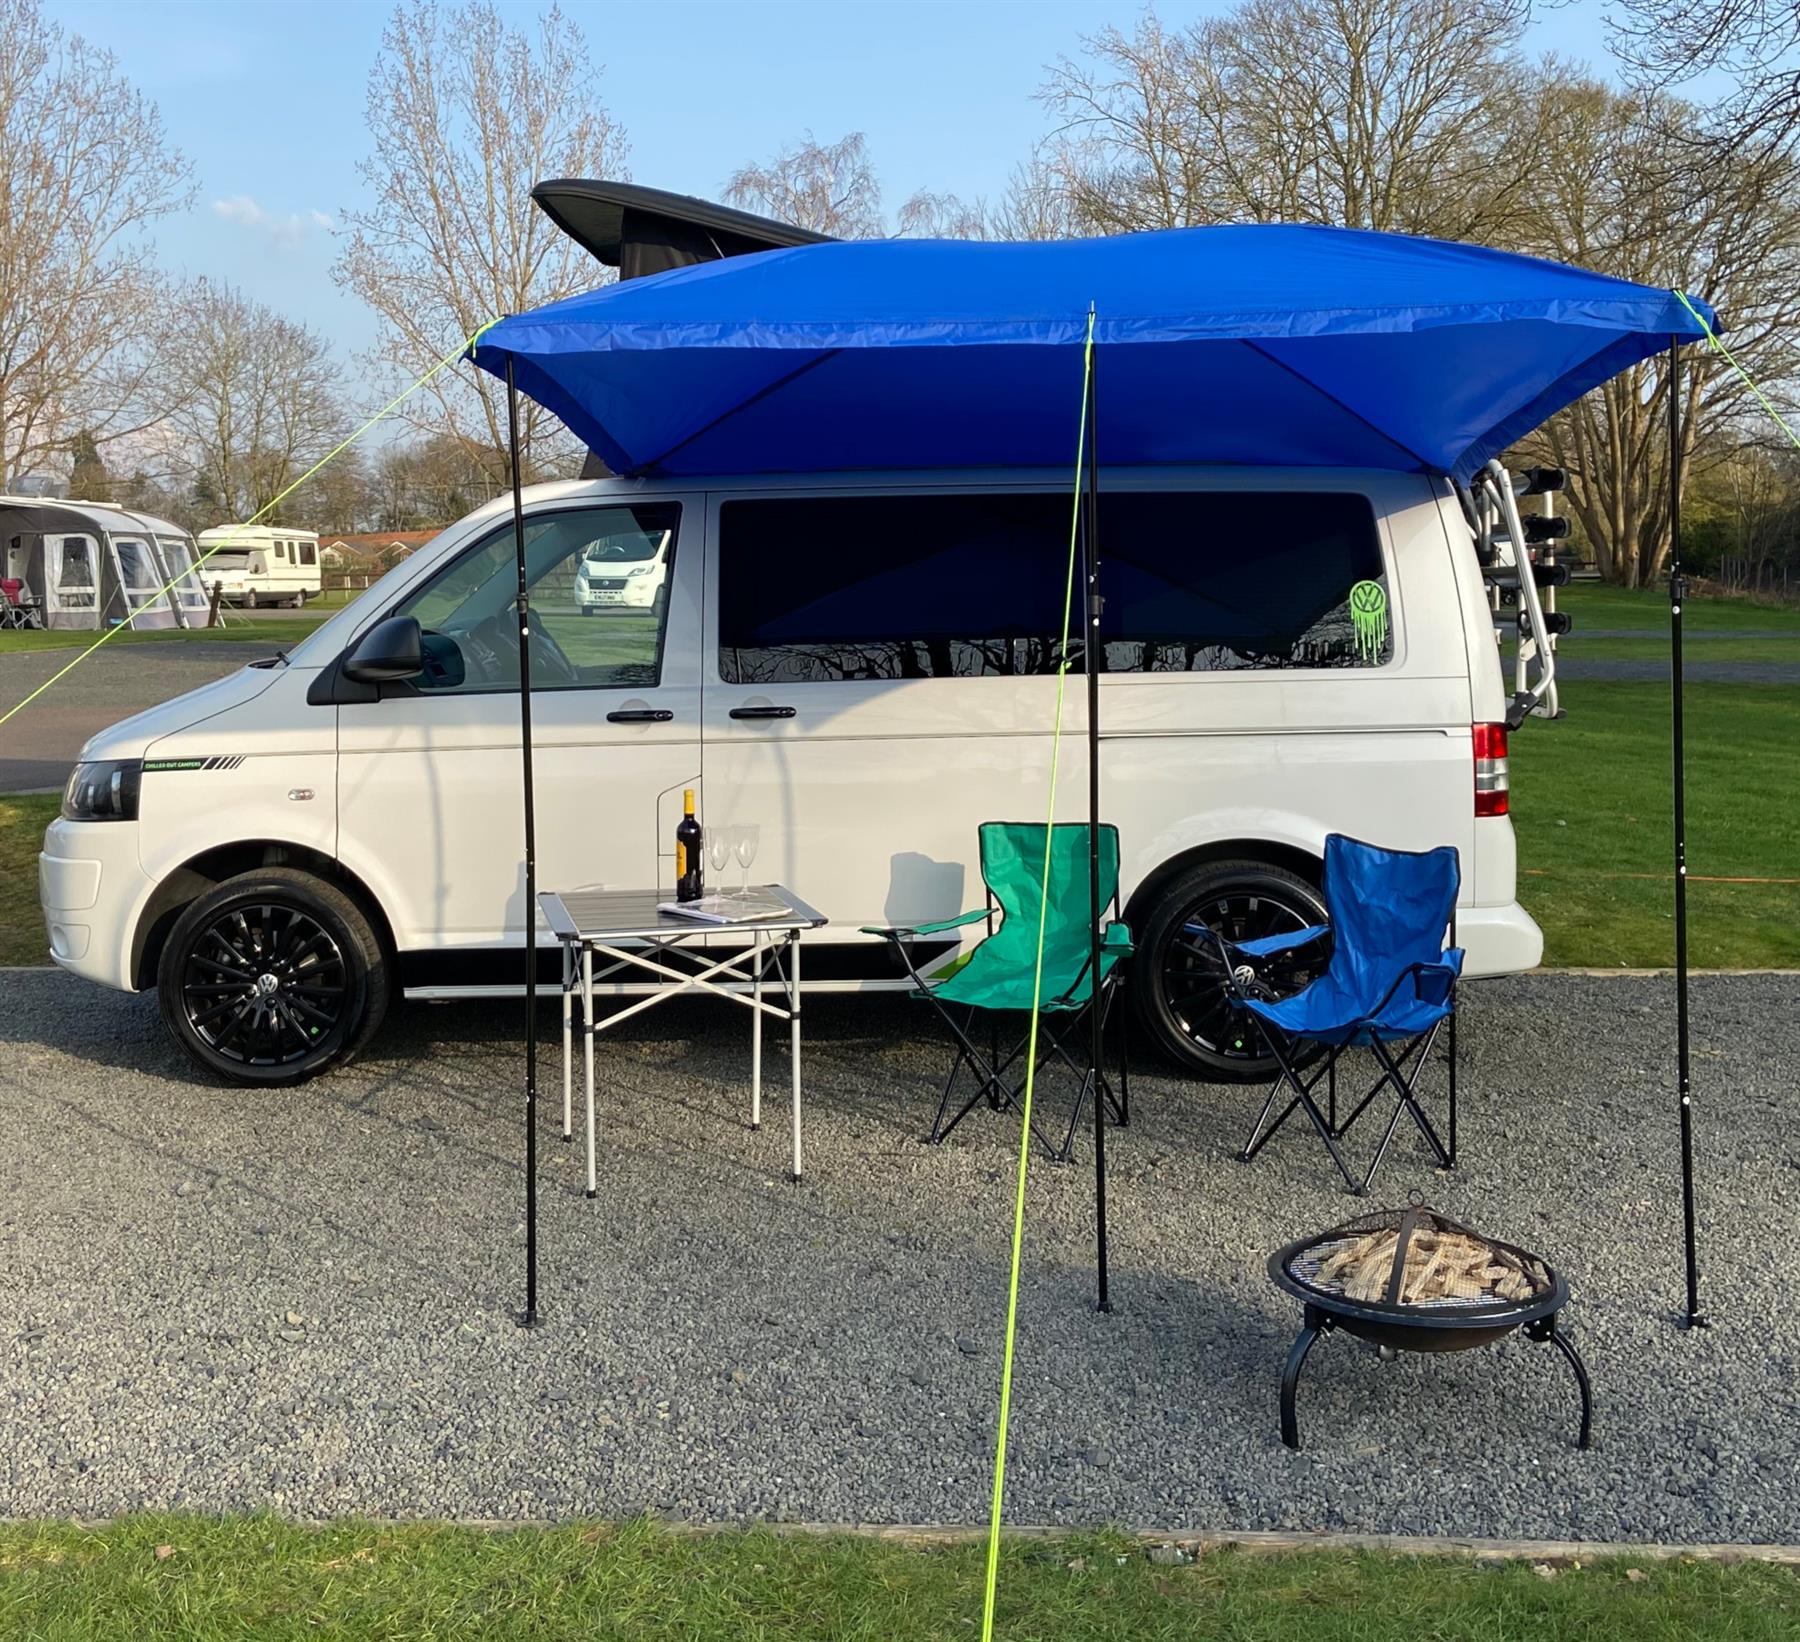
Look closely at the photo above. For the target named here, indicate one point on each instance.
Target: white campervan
(256, 565)
(861, 665)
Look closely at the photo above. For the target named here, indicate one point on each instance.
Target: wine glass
(718, 853)
(744, 840)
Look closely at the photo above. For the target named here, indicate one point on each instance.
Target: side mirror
(390, 651)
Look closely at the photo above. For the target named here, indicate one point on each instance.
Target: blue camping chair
(1389, 987)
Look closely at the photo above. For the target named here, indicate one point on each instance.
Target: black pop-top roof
(642, 230)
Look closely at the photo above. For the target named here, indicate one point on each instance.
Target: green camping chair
(997, 974)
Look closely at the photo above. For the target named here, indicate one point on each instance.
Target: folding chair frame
(1053, 1039)
(1415, 1051)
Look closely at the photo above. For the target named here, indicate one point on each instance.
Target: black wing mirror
(389, 651)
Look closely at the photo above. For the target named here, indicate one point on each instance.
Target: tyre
(250, 599)
(271, 977)
(1178, 982)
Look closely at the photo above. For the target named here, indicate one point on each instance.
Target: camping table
(627, 927)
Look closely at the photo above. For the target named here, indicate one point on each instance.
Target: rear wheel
(271, 977)
(250, 599)
(1178, 978)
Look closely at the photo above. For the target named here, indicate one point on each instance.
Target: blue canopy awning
(1265, 344)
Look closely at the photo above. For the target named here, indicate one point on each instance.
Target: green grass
(155, 1578)
(1591, 805)
(1646, 609)
(22, 821)
(272, 632)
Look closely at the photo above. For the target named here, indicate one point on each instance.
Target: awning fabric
(1263, 344)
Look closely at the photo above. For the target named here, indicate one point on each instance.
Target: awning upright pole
(528, 1318)
(1678, 748)
(1091, 660)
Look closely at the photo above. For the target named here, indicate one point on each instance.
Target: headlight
(640, 570)
(106, 791)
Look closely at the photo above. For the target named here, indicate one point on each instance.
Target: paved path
(38, 748)
(301, 1301)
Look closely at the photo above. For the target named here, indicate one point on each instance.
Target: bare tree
(257, 401)
(828, 187)
(1666, 43)
(466, 115)
(84, 169)
(1606, 200)
(1402, 115)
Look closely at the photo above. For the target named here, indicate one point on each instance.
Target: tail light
(1491, 780)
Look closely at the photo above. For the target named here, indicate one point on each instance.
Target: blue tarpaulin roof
(1264, 344)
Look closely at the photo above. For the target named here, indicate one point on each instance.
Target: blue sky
(267, 100)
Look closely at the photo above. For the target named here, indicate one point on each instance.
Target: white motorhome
(861, 665)
(255, 565)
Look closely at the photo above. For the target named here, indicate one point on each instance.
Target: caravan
(71, 564)
(255, 565)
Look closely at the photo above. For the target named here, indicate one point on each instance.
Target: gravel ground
(1572, 664)
(301, 1302)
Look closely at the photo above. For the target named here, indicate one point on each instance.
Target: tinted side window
(888, 587)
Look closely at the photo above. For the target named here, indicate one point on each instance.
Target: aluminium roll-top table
(628, 928)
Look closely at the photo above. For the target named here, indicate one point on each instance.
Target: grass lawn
(1599, 608)
(272, 632)
(151, 1578)
(22, 822)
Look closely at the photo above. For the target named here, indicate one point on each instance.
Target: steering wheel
(491, 651)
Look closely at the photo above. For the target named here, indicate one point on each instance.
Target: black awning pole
(1678, 740)
(528, 1318)
(1091, 661)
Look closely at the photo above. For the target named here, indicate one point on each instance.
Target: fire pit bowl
(1415, 1280)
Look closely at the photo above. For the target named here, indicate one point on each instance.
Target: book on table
(728, 909)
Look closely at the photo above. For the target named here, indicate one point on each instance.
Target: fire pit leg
(1316, 1323)
(1546, 1329)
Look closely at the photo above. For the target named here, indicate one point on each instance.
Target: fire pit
(1415, 1280)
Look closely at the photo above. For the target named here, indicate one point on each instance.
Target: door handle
(762, 712)
(639, 715)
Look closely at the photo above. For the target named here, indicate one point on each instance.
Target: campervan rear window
(822, 588)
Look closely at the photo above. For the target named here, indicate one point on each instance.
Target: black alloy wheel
(1180, 977)
(271, 977)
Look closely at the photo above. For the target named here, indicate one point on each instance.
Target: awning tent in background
(1258, 345)
(92, 565)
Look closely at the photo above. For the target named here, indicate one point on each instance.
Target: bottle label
(680, 862)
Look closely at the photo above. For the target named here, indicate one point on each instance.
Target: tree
(84, 170)
(827, 187)
(1756, 43)
(466, 115)
(256, 401)
(1401, 115)
(1605, 188)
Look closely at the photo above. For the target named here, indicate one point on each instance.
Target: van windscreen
(821, 588)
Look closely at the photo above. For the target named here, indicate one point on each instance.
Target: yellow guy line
(1719, 347)
(218, 547)
(1037, 986)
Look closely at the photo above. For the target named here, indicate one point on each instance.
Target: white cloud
(286, 231)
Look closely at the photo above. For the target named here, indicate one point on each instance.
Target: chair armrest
(1117, 939)
(901, 931)
(1267, 946)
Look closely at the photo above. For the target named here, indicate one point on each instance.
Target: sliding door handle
(639, 715)
(762, 712)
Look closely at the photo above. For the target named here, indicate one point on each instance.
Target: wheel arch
(193, 878)
(1307, 864)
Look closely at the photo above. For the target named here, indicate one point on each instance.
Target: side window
(815, 589)
(599, 580)
(309, 553)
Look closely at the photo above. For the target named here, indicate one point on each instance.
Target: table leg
(756, 1015)
(568, 956)
(587, 1028)
(793, 954)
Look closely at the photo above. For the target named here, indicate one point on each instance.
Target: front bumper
(92, 888)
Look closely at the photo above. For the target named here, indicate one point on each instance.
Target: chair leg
(1302, 1101)
(1394, 1073)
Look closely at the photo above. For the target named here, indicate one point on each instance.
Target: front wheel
(271, 977)
(1178, 981)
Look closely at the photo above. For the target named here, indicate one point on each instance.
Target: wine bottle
(690, 858)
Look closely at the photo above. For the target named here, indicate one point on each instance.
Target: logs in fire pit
(1415, 1280)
